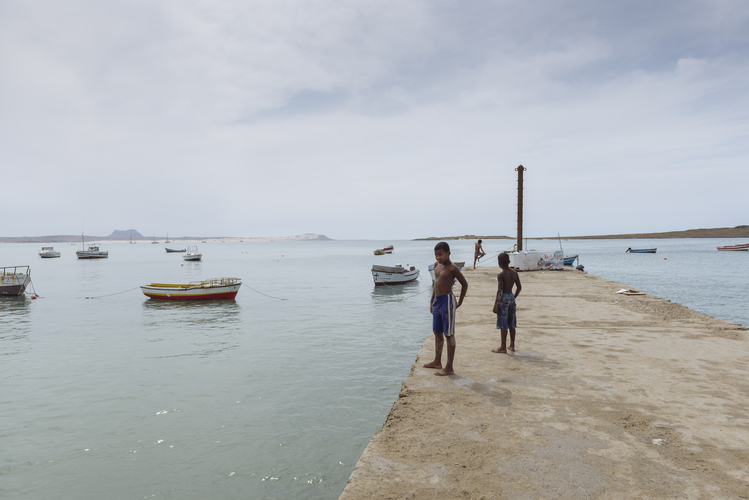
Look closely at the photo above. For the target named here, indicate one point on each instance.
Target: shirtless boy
(443, 307)
(504, 304)
(478, 252)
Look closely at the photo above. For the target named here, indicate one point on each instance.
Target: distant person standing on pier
(504, 304)
(443, 307)
(477, 253)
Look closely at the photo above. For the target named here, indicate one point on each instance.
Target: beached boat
(172, 250)
(210, 289)
(14, 279)
(382, 251)
(48, 253)
(192, 253)
(386, 275)
(568, 261)
(735, 248)
(640, 250)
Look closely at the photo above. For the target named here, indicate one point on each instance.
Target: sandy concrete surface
(607, 397)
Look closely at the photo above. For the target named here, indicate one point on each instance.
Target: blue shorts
(443, 315)
(506, 312)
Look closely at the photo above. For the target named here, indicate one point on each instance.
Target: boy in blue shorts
(443, 307)
(504, 304)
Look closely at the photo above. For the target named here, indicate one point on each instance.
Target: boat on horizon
(386, 250)
(735, 248)
(48, 253)
(640, 250)
(210, 289)
(13, 282)
(192, 254)
(397, 275)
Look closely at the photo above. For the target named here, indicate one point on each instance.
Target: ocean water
(122, 397)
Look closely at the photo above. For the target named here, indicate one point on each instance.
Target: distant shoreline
(720, 232)
(146, 240)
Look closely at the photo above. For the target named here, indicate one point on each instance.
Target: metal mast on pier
(520, 170)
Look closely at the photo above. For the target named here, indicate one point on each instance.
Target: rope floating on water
(261, 293)
(109, 295)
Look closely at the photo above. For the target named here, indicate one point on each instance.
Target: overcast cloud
(371, 120)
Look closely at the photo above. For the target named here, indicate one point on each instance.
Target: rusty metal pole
(520, 170)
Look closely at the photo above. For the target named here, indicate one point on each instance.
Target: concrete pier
(607, 397)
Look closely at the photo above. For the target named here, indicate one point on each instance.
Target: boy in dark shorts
(443, 307)
(504, 304)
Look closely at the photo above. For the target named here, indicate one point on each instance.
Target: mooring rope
(35, 295)
(109, 295)
(261, 293)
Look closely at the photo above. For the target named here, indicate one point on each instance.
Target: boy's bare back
(507, 279)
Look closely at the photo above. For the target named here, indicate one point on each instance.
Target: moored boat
(735, 248)
(92, 252)
(48, 253)
(640, 250)
(397, 275)
(172, 250)
(210, 289)
(14, 279)
(192, 253)
(382, 251)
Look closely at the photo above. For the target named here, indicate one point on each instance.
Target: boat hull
(568, 261)
(185, 292)
(735, 248)
(642, 250)
(14, 283)
(91, 255)
(384, 277)
(49, 255)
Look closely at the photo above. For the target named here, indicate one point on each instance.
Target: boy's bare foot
(511, 348)
(433, 364)
(442, 373)
(500, 351)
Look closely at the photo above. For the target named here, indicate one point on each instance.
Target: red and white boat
(14, 279)
(214, 288)
(735, 248)
(386, 275)
(382, 251)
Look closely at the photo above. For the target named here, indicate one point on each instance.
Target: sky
(372, 119)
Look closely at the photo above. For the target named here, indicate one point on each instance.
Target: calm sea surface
(121, 397)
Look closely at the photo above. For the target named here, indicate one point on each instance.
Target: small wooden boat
(14, 279)
(210, 289)
(382, 251)
(386, 275)
(48, 253)
(568, 261)
(172, 250)
(641, 250)
(735, 248)
(192, 253)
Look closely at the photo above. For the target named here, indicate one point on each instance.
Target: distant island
(719, 232)
(135, 236)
